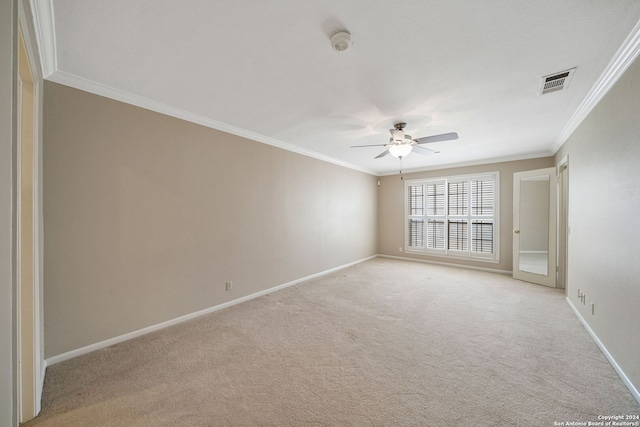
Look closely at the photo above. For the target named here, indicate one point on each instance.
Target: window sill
(453, 257)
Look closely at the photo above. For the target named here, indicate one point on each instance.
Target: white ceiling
(266, 69)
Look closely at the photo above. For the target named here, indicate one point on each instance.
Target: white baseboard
(125, 337)
(616, 367)
(448, 264)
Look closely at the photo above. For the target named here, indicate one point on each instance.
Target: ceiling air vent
(556, 81)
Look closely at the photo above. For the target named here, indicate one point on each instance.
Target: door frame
(29, 223)
(563, 222)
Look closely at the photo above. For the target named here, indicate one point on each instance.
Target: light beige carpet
(383, 343)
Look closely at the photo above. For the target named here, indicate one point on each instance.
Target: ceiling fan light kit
(400, 150)
(341, 40)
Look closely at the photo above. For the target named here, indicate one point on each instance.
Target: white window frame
(468, 217)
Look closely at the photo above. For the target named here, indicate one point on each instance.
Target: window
(453, 216)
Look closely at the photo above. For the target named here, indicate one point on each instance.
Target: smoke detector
(341, 40)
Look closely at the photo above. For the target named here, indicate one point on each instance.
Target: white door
(534, 226)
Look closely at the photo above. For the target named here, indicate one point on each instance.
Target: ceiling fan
(400, 144)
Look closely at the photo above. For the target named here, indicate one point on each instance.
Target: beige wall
(604, 216)
(147, 217)
(8, 37)
(391, 209)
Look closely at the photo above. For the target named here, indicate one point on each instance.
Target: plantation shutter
(436, 197)
(435, 234)
(482, 196)
(416, 200)
(482, 236)
(482, 210)
(458, 198)
(458, 235)
(454, 216)
(415, 232)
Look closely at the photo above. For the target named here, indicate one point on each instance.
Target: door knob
(516, 231)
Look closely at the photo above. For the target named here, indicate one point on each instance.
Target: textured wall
(147, 217)
(391, 209)
(604, 206)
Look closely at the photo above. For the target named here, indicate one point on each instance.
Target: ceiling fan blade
(384, 153)
(370, 145)
(427, 152)
(437, 138)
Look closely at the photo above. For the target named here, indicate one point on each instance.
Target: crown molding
(623, 58)
(44, 27)
(479, 162)
(139, 101)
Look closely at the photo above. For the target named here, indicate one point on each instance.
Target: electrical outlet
(229, 286)
(400, 248)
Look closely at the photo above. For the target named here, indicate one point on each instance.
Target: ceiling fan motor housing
(397, 134)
